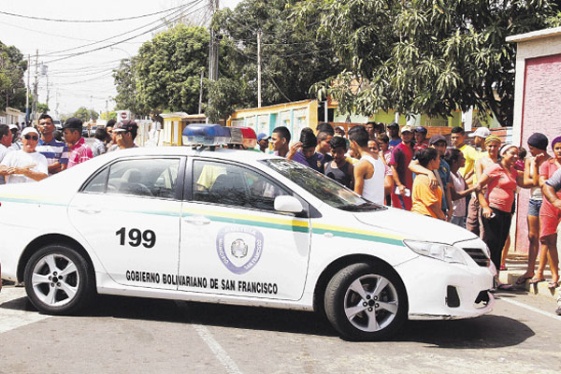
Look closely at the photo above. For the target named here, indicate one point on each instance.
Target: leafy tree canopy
(425, 56)
(293, 55)
(168, 69)
(85, 114)
(12, 70)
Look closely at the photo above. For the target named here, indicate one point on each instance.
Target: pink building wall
(537, 106)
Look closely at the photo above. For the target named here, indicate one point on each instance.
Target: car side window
(140, 177)
(227, 184)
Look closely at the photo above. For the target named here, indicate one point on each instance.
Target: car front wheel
(366, 302)
(57, 280)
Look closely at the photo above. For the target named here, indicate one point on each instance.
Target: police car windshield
(322, 187)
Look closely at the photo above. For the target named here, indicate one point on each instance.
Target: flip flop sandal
(522, 280)
(504, 287)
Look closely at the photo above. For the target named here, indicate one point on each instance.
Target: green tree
(167, 70)
(125, 83)
(42, 108)
(106, 116)
(426, 56)
(86, 114)
(12, 70)
(294, 55)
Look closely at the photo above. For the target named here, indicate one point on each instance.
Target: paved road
(126, 335)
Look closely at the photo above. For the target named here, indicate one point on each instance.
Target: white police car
(237, 227)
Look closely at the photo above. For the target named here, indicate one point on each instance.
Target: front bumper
(440, 290)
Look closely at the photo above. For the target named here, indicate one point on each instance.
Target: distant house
(536, 101)
(11, 116)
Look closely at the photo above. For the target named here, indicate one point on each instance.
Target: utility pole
(259, 34)
(213, 48)
(36, 86)
(27, 114)
(201, 92)
(44, 73)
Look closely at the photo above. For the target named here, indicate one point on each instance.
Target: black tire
(366, 302)
(58, 280)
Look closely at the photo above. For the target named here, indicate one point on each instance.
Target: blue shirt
(315, 162)
(54, 151)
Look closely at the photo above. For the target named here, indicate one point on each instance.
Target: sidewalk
(516, 266)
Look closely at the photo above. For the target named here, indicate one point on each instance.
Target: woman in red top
(549, 220)
(501, 180)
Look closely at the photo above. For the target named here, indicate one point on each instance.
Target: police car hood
(414, 226)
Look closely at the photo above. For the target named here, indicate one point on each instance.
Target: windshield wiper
(364, 207)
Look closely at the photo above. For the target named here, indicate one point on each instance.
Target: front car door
(233, 242)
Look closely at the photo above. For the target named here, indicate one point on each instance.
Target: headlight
(442, 252)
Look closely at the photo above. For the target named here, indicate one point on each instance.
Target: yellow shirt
(470, 154)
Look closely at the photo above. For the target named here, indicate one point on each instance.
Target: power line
(176, 12)
(90, 20)
(118, 42)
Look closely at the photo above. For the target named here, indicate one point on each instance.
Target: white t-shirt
(22, 159)
(3, 152)
(460, 204)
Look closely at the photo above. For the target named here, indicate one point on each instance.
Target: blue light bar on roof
(205, 134)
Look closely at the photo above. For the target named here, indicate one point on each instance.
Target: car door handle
(197, 220)
(89, 209)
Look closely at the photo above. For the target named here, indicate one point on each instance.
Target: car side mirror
(288, 204)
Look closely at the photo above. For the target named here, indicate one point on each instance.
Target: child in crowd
(339, 168)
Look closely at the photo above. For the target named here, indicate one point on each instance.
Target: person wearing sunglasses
(25, 165)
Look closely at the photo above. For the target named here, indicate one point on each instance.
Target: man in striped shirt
(56, 152)
(79, 150)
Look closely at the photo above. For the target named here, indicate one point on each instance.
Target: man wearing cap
(421, 141)
(438, 177)
(479, 137)
(25, 165)
(125, 133)
(263, 142)
(79, 150)
(16, 143)
(340, 131)
(56, 152)
(402, 154)
(393, 134)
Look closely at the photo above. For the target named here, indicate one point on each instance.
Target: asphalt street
(128, 335)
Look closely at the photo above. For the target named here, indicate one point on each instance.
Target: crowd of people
(39, 152)
(472, 186)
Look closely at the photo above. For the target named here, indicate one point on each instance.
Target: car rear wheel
(366, 302)
(58, 281)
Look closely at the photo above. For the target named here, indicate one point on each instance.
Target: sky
(78, 56)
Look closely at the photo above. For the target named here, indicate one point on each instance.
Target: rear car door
(129, 213)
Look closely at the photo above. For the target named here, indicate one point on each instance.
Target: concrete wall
(537, 103)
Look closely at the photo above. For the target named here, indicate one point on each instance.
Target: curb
(516, 267)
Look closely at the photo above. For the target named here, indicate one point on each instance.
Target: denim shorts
(534, 207)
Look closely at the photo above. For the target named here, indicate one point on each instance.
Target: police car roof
(218, 153)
